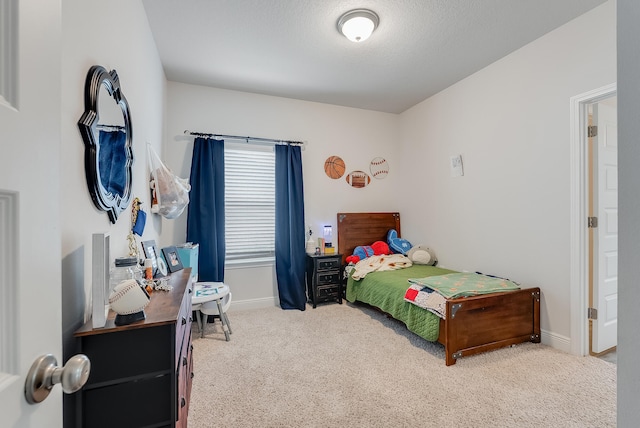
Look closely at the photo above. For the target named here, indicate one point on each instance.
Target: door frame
(579, 200)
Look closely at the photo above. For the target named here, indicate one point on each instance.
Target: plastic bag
(170, 192)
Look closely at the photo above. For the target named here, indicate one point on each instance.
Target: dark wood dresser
(141, 373)
(324, 278)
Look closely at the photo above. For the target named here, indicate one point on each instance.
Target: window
(250, 202)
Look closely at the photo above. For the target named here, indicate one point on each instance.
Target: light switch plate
(456, 166)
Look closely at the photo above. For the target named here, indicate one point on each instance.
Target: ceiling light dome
(358, 24)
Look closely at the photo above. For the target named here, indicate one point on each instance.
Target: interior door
(30, 245)
(605, 275)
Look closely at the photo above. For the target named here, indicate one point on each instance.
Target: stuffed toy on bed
(397, 244)
(362, 252)
(422, 255)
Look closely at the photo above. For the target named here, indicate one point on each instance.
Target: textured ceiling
(291, 48)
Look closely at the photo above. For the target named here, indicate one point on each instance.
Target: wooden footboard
(483, 323)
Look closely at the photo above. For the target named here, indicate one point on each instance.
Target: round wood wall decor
(358, 179)
(379, 168)
(334, 167)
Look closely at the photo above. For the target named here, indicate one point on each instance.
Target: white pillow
(422, 255)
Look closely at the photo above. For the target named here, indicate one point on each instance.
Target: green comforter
(385, 290)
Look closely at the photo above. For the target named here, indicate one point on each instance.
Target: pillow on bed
(397, 245)
(422, 255)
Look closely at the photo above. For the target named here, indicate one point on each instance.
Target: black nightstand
(324, 278)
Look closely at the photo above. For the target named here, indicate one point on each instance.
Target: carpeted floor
(350, 366)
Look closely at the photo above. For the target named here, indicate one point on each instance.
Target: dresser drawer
(328, 278)
(331, 291)
(183, 326)
(184, 375)
(326, 264)
(110, 353)
(145, 402)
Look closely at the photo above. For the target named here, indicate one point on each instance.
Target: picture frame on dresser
(172, 257)
(157, 262)
(151, 252)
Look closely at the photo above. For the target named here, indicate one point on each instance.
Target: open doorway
(594, 222)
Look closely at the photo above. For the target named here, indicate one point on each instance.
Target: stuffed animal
(397, 244)
(352, 259)
(422, 255)
(362, 252)
(380, 248)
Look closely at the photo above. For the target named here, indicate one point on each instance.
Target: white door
(605, 281)
(30, 244)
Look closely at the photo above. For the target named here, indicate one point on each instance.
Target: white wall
(629, 196)
(355, 135)
(116, 37)
(509, 214)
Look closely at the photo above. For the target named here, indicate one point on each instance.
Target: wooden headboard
(356, 229)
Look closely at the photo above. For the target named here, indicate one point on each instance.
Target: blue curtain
(290, 237)
(205, 217)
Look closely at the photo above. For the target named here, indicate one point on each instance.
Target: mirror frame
(98, 78)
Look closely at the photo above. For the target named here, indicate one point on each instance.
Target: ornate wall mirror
(105, 126)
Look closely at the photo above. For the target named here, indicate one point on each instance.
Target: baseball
(128, 298)
(379, 168)
(358, 179)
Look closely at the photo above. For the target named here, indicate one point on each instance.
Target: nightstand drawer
(328, 278)
(333, 263)
(331, 291)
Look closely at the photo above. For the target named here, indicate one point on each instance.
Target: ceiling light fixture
(358, 24)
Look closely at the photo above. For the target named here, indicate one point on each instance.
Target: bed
(471, 325)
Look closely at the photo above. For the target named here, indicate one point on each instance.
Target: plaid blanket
(428, 299)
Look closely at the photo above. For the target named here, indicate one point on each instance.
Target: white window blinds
(249, 197)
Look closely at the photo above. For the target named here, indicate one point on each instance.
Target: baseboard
(243, 305)
(556, 341)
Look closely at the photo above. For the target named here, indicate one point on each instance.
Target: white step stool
(212, 298)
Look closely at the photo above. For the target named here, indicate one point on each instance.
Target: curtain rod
(240, 137)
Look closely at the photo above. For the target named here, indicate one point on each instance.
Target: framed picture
(172, 257)
(151, 252)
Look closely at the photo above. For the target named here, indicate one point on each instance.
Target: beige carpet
(349, 366)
